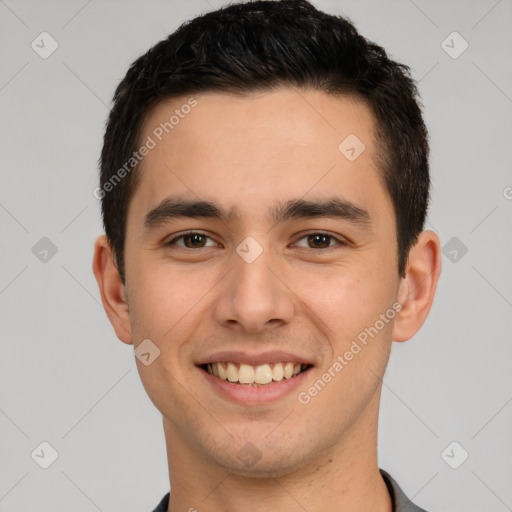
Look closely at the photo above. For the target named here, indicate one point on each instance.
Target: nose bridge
(254, 296)
(252, 269)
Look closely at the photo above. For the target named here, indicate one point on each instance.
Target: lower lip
(254, 395)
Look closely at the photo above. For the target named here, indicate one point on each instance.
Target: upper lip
(254, 359)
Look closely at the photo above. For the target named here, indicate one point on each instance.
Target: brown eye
(191, 240)
(194, 240)
(320, 241)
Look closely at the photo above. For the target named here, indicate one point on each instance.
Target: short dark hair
(260, 45)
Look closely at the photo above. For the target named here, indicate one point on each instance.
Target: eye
(192, 240)
(320, 241)
(198, 240)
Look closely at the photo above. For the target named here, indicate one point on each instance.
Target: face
(294, 260)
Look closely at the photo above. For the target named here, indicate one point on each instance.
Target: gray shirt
(401, 503)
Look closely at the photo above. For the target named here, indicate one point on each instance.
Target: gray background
(67, 380)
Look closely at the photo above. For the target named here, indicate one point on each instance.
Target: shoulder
(401, 503)
(163, 505)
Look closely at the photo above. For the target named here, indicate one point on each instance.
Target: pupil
(315, 238)
(194, 240)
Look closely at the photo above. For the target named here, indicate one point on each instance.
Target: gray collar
(401, 503)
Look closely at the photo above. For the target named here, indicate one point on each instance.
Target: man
(264, 186)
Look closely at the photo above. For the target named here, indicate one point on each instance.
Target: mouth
(255, 376)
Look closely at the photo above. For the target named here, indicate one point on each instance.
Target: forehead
(252, 150)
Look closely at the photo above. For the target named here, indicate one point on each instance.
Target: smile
(241, 373)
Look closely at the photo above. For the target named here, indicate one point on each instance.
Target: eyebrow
(333, 207)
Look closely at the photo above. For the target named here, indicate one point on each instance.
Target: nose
(255, 297)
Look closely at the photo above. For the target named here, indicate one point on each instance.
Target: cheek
(347, 300)
(167, 298)
(165, 308)
(351, 305)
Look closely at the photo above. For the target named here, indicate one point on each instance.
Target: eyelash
(191, 233)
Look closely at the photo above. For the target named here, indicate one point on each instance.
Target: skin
(247, 154)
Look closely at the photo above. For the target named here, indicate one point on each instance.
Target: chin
(267, 462)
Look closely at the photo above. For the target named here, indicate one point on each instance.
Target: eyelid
(179, 236)
(340, 240)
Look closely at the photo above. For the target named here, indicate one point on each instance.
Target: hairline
(381, 165)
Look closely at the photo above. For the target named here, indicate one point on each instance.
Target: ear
(418, 286)
(112, 290)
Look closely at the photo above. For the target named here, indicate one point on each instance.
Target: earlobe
(112, 290)
(418, 286)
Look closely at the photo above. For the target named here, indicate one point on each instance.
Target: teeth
(221, 370)
(232, 373)
(288, 370)
(277, 372)
(247, 374)
(263, 374)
